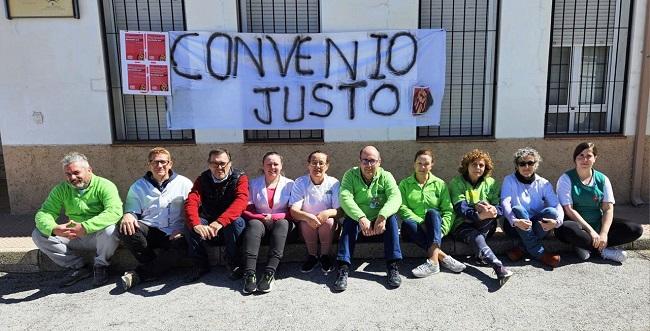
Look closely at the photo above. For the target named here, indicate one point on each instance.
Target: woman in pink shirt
(267, 213)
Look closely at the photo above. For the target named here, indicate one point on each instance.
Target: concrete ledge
(28, 259)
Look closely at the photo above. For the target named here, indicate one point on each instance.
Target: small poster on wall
(145, 62)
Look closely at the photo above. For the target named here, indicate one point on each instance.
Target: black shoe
(341, 282)
(310, 264)
(235, 272)
(100, 275)
(196, 273)
(326, 263)
(266, 283)
(250, 282)
(74, 276)
(394, 279)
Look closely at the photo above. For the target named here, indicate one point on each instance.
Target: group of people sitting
(166, 211)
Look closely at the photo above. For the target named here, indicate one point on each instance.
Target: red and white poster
(137, 77)
(134, 46)
(158, 78)
(145, 62)
(156, 47)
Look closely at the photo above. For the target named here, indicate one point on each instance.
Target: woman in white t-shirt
(314, 203)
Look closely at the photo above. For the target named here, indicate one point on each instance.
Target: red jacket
(225, 205)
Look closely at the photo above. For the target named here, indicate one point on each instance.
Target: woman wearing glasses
(427, 215)
(314, 202)
(588, 200)
(531, 207)
(267, 214)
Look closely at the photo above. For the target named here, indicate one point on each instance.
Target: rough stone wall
(33, 170)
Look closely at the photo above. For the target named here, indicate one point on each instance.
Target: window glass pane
(590, 122)
(558, 122)
(559, 77)
(592, 76)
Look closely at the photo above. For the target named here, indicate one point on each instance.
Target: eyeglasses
(219, 164)
(161, 162)
(369, 162)
(526, 163)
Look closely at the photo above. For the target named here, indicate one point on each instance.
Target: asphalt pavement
(593, 295)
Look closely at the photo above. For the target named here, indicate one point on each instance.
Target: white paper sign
(145, 62)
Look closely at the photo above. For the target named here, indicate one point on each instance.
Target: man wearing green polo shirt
(370, 197)
(92, 206)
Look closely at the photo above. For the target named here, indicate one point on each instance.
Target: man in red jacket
(213, 209)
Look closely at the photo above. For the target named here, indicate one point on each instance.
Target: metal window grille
(587, 69)
(468, 104)
(280, 16)
(138, 117)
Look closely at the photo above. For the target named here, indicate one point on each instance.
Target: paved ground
(587, 296)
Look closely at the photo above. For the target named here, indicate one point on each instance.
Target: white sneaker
(613, 254)
(452, 264)
(426, 269)
(582, 253)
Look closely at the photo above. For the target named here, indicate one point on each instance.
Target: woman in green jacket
(475, 196)
(426, 213)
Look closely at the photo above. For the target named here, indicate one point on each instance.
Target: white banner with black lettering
(348, 80)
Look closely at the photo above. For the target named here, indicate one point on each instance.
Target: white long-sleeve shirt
(162, 210)
(533, 197)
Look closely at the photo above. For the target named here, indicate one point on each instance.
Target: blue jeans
(228, 236)
(350, 233)
(532, 238)
(426, 233)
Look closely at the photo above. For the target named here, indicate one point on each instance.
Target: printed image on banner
(370, 79)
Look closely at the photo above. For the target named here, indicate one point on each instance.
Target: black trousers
(255, 230)
(619, 233)
(142, 244)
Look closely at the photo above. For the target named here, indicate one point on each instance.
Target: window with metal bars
(587, 66)
(137, 117)
(468, 104)
(280, 16)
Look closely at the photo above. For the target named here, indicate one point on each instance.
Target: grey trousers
(65, 252)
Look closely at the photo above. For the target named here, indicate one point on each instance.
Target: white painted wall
(634, 70)
(213, 15)
(54, 66)
(359, 15)
(522, 68)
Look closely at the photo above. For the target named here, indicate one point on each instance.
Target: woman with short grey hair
(531, 207)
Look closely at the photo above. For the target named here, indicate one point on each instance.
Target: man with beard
(92, 206)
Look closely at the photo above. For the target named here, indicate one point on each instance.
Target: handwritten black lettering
(173, 61)
(286, 106)
(377, 74)
(278, 58)
(319, 99)
(352, 69)
(391, 44)
(209, 60)
(352, 88)
(259, 64)
(299, 56)
(267, 98)
(393, 89)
